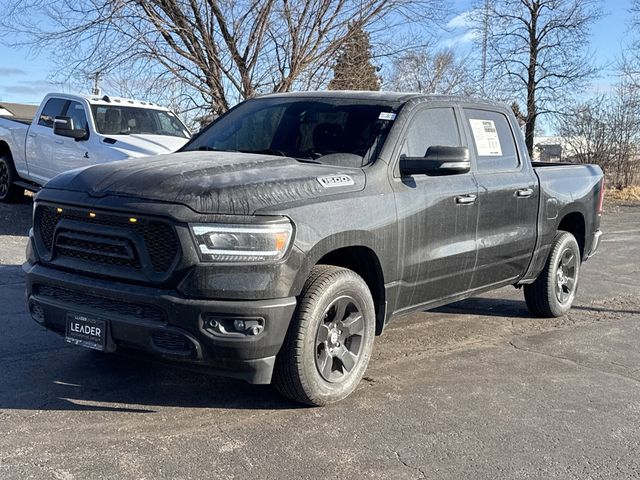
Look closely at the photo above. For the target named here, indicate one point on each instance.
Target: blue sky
(25, 77)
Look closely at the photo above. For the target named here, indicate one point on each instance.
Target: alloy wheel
(566, 276)
(339, 339)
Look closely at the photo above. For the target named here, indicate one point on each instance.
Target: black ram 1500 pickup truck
(279, 241)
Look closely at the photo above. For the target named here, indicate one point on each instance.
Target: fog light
(37, 312)
(233, 327)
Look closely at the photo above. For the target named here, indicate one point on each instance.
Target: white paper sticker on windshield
(486, 137)
(387, 116)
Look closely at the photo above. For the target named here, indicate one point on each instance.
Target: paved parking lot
(478, 389)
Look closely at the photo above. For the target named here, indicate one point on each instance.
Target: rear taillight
(601, 197)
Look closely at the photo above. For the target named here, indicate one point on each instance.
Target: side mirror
(439, 160)
(64, 127)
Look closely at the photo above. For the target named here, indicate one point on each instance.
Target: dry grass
(627, 194)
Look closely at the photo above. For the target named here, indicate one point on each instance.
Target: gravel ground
(477, 389)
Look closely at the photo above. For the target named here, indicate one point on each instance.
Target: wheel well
(4, 149)
(574, 224)
(365, 263)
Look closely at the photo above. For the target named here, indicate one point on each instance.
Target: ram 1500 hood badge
(335, 180)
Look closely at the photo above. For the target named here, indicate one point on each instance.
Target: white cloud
(457, 40)
(7, 71)
(463, 20)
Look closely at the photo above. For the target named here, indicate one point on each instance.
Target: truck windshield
(338, 131)
(122, 120)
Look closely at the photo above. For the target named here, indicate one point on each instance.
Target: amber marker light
(281, 241)
(133, 220)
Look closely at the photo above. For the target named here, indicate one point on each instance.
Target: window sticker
(486, 137)
(387, 116)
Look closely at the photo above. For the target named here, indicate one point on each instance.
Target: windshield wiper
(271, 151)
(207, 148)
(266, 151)
(308, 160)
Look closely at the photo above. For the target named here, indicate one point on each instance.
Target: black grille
(97, 302)
(159, 238)
(98, 248)
(172, 342)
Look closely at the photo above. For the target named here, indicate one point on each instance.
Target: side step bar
(33, 187)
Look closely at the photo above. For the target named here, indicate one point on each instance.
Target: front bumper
(164, 323)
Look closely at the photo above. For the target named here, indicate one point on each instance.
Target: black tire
(9, 191)
(326, 352)
(553, 292)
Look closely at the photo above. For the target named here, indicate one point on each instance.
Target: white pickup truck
(73, 131)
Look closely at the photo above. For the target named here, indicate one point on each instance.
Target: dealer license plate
(86, 331)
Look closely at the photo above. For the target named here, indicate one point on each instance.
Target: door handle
(33, 135)
(524, 192)
(59, 142)
(466, 199)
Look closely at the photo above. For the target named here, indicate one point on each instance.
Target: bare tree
(586, 133)
(624, 125)
(427, 70)
(222, 50)
(605, 130)
(629, 63)
(536, 51)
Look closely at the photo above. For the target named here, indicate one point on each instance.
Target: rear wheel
(553, 292)
(9, 191)
(330, 340)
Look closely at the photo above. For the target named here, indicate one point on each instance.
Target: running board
(33, 187)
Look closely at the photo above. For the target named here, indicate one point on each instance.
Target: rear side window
(53, 108)
(430, 127)
(493, 141)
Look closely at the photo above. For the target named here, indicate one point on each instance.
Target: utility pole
(96, 82)
(485, 40)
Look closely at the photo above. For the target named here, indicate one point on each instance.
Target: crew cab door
(70, 153)
(40, 143)
(437, 215)
(507, 198)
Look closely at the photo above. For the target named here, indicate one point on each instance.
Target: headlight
(219, 242)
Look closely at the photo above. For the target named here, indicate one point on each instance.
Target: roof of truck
(110, 100)
(383, 96)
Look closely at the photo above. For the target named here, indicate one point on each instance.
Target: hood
(213, 182)
(137, 145)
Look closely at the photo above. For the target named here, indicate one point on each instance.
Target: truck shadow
(82, 380)
(497, 307)
(489, 307)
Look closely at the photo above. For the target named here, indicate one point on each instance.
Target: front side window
(76, 112)
(493, 141)
(53, 108)
(431, 127)
(337, 131)
(122, 120)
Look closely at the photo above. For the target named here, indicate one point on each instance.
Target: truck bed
(565, 186)
(25, 121)
(554, 164)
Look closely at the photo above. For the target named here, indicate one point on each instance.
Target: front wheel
(330, 340)
(9, 191)
(553, 292)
